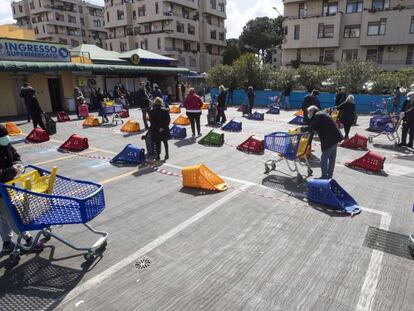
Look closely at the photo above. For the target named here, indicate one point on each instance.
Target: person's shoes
(8, 247)
(346, 137)
(410, 146)
(166, 157)
(401, 145)
(157, 158)
(193, 135)
(38, 247)
(199, 134)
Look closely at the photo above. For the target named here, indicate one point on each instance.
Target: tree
(311, 77)
(354, 74)
(231, 52)
(221, 75)
(279, 78)
(250, 72)
(261, 35)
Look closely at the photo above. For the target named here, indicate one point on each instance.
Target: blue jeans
(328, 162)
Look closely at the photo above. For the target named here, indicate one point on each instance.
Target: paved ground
(256, 246)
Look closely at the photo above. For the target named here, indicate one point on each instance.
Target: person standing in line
(251, 95)
(25, 92)
(35, 110)
(396, 99)
(221, 105)
(193, 104)
(100, 97)
(340, 97)
(10, 168)
(157, 92)
(77, 93)
(230, 95)
(144, 103)
(160, 127)
(310, 100)
(407, 115)
(286, 95)
(183, 89)
(347, 114)
(148, 89)
(329, 135)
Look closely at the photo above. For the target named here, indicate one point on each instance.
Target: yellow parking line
(61, 158)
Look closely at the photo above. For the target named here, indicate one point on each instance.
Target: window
(352, 31)
(222, 8)
(380, 4)
(213, 34)
(298, 54)
(410, 59)
(20, 8)
(123, 46)
(80, 9)
(159, 43)
(181, 61)
(221, 36)
(107, 16)
(377, 28)
(32, 7)
(354, 6)
(213, 4)
(141, 11)
(156, 8)
(329, 8)
(180, 27)
(193, 61)
(82, 21)
(285, 30)
(120, 15)
(187, 46)
(72, 19)
(372, 55)
(301, 11)
(43, 27)
(296, 32)
(134, 14)
(326, 56)
(412, 25)
(348, 55)
(325, 31)
(14, 10)
(96, 23)
(144, 44)
(191, 29)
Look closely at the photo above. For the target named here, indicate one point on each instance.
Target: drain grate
(142, 264)
(388, 242)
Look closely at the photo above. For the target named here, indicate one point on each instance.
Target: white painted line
(100, 278)
(367, 295)
(398, 170)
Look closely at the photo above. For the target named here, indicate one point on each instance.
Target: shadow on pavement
(185, 142)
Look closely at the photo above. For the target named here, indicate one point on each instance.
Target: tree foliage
(261, 35)
(250, 72)
(311, 77)
(231, 51)
(221, 75)
(354, 74)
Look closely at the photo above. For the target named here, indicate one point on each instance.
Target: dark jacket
(250, 96)
(287, 90)
(347, 112)
(157, 93)
(328, 132)
(26, 92)
(308, 101)
(221, 100)
(8, 157)
(408, 109)
(160, 119)
(142, 99)
(340, 98)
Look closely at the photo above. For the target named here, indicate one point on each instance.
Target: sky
(239, 12)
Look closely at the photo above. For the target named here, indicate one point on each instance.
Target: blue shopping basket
(284, 144)
(178, 132)
(71, 202)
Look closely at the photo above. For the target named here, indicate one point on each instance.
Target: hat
(3, 131)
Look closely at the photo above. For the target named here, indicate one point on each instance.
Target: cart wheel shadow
(328, 211)
(39, 283)
(147, 168)
(287, 185)
(215, 126)
(185, 142)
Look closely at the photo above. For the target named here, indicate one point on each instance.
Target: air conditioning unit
(391, 48)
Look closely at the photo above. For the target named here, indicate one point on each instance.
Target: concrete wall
(8, 102)
(363, 101)
(39, 83)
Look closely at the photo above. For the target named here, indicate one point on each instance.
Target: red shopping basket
(75, 143)
(62, 116)
(370, 161)
(356, 142)
(252, 145)
(37, 135)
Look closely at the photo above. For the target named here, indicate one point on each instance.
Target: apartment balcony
(118, 20)
(16, 9)
(207, 30)
(187, 3)
(397, 27)
(215, 10)
(308, 34)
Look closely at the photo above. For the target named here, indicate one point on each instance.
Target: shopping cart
(390, 130)
(287, 147)
(113, 110)
(69, 201)
(380, 108)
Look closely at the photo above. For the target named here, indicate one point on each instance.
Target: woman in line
(193, 104)
(160, 130)
(251, 96)
(221, 105)
(347, 114)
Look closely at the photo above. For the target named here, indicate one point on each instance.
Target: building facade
(191, 31)
(334, 31)
(70, 22)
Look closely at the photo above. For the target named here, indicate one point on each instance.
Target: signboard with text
(19, 50)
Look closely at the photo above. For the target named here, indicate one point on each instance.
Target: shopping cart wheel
(89, 256)
(273, 167)
(103, 246)
(14, 257)
(310, 172)
(299, 178)
(46, 233)
(267, 170)
(370, 139)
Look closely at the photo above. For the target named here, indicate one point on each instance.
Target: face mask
(310, 116)
(5, 140)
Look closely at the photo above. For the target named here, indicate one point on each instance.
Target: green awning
(10, 66)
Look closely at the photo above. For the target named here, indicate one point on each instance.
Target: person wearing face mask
(10, 167)
(329, 135)
(310, 100)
